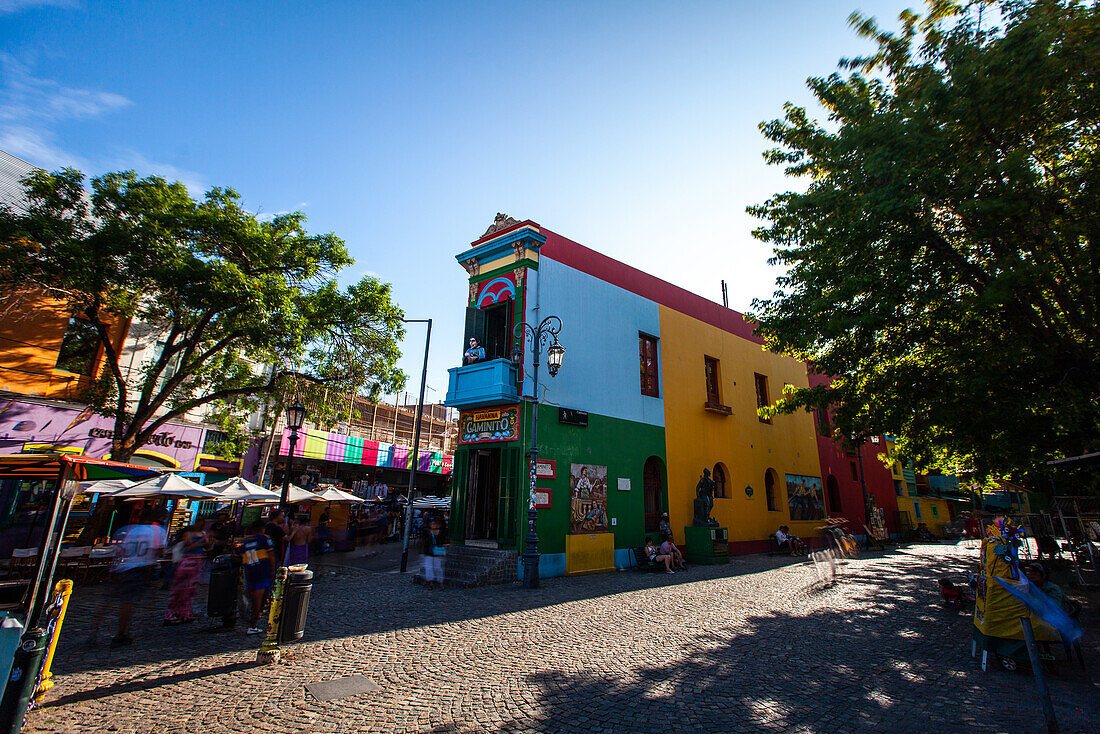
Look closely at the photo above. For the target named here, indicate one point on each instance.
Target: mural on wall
(588, 488)
(804, 497)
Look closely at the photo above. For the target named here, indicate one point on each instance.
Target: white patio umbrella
(332, 494)
(432, 503)
(297, 494)
(106, 486)
(167, 485)
(241, 490)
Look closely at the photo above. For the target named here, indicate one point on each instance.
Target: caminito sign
(490, 424)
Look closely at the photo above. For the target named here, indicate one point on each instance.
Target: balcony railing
(477, 385)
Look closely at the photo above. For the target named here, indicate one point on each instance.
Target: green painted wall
(622, 446)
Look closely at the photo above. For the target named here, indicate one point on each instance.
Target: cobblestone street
(751, 646)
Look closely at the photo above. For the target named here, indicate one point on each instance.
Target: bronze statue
(704, 502)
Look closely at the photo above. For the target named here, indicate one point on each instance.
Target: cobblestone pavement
(755, 645)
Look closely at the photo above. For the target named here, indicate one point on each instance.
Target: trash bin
(225, 574)
(295, 605)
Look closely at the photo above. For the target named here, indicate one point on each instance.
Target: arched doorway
(653, 495)
(770, 480)
(833, 489)
(719, 475)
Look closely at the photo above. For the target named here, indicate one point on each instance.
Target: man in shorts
(258, 558)
(138, 548)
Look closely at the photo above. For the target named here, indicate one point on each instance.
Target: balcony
(482, 384)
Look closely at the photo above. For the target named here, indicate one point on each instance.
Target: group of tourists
(140, 549)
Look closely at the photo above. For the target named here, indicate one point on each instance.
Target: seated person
(788, 542)
(654, 554)
(669, 548)
(474, 354)
(1037, 574)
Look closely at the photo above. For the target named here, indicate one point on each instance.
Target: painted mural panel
(70, 428)
(496, 290)
(489, 424)
(804, 497)
(588, 489)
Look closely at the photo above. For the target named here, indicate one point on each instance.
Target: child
(258, 558)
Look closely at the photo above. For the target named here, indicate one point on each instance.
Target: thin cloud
(268, 216)
(30, 108)
(14, 6)
(26, 98)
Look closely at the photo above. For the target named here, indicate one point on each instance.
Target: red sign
(546, 469)
(542, 499)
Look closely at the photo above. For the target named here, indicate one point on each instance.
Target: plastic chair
(73, 562)
(99, 562)
(23, 561)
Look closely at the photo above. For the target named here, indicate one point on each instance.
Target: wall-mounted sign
(546, 469)
(542, 499)
(489, 424)
(571, 417)
(624, 484)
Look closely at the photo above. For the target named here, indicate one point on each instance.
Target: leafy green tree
(941, 261)
(246, 312)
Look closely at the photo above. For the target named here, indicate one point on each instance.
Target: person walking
(276, 529)
(434, 550)
(258, 558)
(138, 548)
(186, 577)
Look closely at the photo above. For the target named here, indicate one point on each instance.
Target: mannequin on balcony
(474, 354)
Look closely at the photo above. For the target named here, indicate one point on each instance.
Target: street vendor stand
(41, 489)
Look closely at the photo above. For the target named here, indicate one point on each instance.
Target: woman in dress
(186, 577)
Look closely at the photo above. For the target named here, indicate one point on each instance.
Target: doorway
(652, 494)
(833, 491)
(483, 495)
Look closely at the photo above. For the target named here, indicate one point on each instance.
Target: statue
(704, 502)
(501, 221)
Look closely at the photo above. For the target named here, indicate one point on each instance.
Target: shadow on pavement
(146, 684)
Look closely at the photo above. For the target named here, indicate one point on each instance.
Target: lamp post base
(530, 570)
(531, 557)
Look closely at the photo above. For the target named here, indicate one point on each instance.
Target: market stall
(36, 496)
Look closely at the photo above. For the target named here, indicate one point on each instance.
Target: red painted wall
(835, 461)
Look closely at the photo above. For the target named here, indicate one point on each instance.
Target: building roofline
(575, 255)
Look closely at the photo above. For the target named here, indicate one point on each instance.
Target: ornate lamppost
(295, 417)
(545, 334)
(414, 460)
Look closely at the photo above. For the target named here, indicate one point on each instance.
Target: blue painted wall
(600, 325)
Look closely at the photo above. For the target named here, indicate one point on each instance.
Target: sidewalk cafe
(36, 496)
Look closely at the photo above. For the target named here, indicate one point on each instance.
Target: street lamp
(295, 417)
(548, 329)
(414, 460)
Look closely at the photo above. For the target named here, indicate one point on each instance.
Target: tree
(941, 263)
(234, 302)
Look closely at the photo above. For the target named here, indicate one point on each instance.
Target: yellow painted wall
(589, 553)
(697, 438)
(926, 503)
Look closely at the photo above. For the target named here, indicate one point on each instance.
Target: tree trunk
(123, 450)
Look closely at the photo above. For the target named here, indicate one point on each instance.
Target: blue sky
(404, 127)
